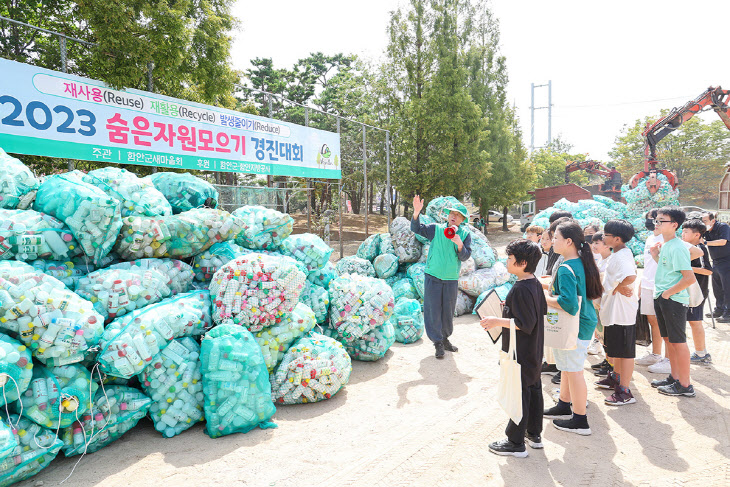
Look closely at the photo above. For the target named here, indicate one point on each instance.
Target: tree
(550, 162)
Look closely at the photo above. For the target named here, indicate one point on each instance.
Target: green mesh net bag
(407, 247)
(404, 288)
(308, 249)
(36, 448)
(371, 346)
(276, 340)
(264, 228)
(386, 265)
(323, 276)
(318, 300)
(184, 191)
(137, 195)
(359, 304)
(206, 264)
(417, 275)
(16, 369)
(354, 265)
(370, 248)
(407, 320)
(29, 235)
(18, 185)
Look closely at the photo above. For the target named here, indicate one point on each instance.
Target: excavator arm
(612, 177)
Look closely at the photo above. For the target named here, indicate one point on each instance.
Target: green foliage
(549, 164)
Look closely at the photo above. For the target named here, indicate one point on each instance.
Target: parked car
(496, 216)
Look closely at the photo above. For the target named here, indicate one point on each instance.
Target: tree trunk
(505, 228)
(393, 203)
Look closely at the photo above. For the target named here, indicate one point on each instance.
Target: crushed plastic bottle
(276, 340)
(28, 235)
(386, 265)
(318, 300)
(68, 272)
(314, 369)
(36, 448)
(184, 191)
(308, 249)
(235, 382)
(18, 185)
(354, 265)
(16, 369)
(359, 304)
(407, 320)
(138, 196)
(263, 228)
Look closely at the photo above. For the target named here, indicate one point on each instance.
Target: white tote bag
(561, 328)
(695, 294)
(509, 391)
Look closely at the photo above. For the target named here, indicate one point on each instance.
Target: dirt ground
(410, 419)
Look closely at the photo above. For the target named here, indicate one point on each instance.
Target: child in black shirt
(692, 231)
(525, 305)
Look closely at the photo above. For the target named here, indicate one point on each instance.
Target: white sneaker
(648, 359)
(595, 347)
(661, 367)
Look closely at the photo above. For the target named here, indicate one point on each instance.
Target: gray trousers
(439, 302)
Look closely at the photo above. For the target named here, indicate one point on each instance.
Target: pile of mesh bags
(56, 324)
(57, 395)
(207, 263)
(137, 195)
(114, 411)
(18, 185)
(468, 266)
(182, 235)
(69, 272)
(417, 275)
(16, 369)
(407, 320)
(235, 382)
(29, 235)
(315, 368)
(639, 200)
(256, 290)
(174, 383)
(464, 304)
(36, 448)
(354, 265)
(276, 340)
(129, 343)
(370, 248)
(8, 442)
(407, 246)
(480, 280)
(184, 191)
(318, 300)
(386, 265)
(323, 277)
(263, 228)
(93, 217)
(386, 244)
(308, 249)
(483, 254)
(404, 288)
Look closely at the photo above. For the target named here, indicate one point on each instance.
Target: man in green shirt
(445, 256)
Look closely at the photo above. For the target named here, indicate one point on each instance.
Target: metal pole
(271, 112)
(365, 176)
(309, 196)
(62, 41)
(151, 89)
(532, 117)
(550, 109)
(387, 174)
(339, 195)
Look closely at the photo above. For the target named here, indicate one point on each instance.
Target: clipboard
(491, 306)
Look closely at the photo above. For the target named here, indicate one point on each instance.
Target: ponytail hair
(571, 230)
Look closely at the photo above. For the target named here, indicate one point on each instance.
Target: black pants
(721, 285)
(439, 301)
(532, 407)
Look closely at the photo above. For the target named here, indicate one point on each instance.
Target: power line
(625, 103)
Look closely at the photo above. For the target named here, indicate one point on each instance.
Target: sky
(610, 63)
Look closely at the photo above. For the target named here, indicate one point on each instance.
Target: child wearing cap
(442, 272)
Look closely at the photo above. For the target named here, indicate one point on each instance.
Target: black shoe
(507, 448)
(668, 380)
(715, 314)
(448, 346)
(723, 319)
(560, 411)
(573, 425)
(676, 389)
(439, 349)
(556, 378)
(600, 365)
(549, 369)
(603, 371)
(534, 441)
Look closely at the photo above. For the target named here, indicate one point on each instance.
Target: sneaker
(676, 389)
(697, 360)
(507, 448)
(448, 346)
(560, 411)
(648, 359)
(556, 378)
(600, 365)
(603, 371)
(439, 349)
(609, 382)
(661, 367)
(715, 314)
(549, 369)
(534, 441)
(573, 425)
(621, 398)
(723, 319)
(556, 396)
(595, 347)
(663, 382)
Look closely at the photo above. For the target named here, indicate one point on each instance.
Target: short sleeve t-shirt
(704, 263)
(673, 259)
(525, 303)
(650, 265)
(567, 286)
(617, 309)
(720, 231)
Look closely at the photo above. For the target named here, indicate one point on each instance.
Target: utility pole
(532, 113)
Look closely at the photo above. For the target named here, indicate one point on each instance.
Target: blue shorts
(572, 360)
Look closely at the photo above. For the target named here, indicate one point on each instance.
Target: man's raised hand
(417, 205)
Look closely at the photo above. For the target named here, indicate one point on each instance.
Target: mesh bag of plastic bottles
(16, 369)
(256, 290)
(636, 246)
(354, 265)
(642, 236)
(370, 248)
(179, 274)
(175, 385)
(468, 266)
(57, 325)
(565, 205)
(8, 442)
(36, 448)
(318, 300)
(235, 382)
(129, 343)
(386, 244)
(424, 220)
(207, 263)
(604, 200)
(407, 247)
(407, 320)
(424, 253)
(93, 217)
(308, 249)
(417, 275)
(404, 288)
(114, 411)
(68, 272)
(276, 340)
(29, 235)
(464, 304)
(601, 212)
(57, 395)
(436, 208)
(138, 196)
(323, 277)
(18, 185)
(501, 291)
(639, 200)
(182, 235)
(480, 280)
(359, 304)
(370, 347)
(396, 277)
(263, 228)
(315, 368)
(483, 254)
(386, 265)
(184, 191)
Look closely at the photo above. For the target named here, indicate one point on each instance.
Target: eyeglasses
(659, 222)
(608, 235)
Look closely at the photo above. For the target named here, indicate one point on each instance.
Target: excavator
(713, 98)
(612, 176)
